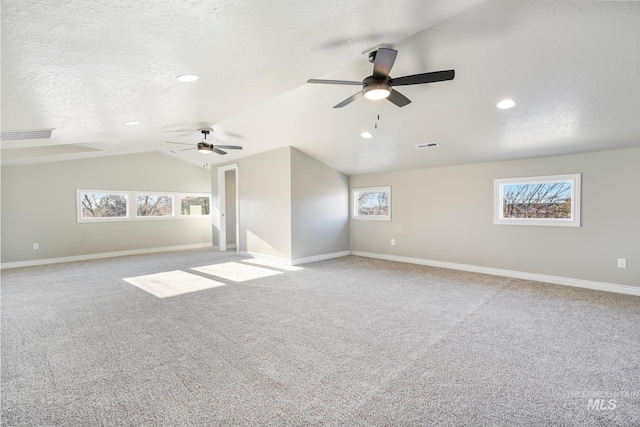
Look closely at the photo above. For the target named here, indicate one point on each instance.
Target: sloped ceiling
(87, 67)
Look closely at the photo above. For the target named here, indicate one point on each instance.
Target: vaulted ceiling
(85, 68)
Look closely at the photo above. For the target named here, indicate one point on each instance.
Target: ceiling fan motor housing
(371, 84)
(203, 147)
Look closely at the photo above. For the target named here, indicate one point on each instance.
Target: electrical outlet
(36, 246)
(393, 242)
(622, 263)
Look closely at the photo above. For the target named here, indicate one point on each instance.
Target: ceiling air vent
(427, 145)
(18, 135)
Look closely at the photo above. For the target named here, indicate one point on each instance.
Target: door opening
(228, 235)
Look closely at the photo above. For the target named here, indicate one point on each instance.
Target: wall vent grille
(19, 135)
(427, 145)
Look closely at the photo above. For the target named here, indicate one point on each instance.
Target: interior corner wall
(319, 208)
(264, 190)
(446, 214)
(39, 206)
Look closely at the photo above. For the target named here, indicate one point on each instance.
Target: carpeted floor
(345, 342)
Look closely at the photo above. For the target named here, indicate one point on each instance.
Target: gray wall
(319, 207)
(446, 214)
(264, 189)
(39, 206)
(291, 205)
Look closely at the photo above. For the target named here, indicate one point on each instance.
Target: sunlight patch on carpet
(172, 283)
(236, 272)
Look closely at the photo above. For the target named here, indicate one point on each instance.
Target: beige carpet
(198, 339)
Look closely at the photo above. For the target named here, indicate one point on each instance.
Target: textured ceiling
(87, 67)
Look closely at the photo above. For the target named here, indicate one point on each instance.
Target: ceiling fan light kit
(380, 86)
(205, 148)
(376, 90)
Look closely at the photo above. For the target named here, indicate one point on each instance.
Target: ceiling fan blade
(181, 143)
(215, 150)
(399, 99)
(383, 63)
(187, 149)
(349, 100)
(334, 82)
(228, 147)
(231, 134)
(416, 79)
(184, 133)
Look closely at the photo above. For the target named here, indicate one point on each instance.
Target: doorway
(229, 230)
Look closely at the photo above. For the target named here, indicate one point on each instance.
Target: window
(154, 205)
(539, 200)
(372, 203)
(194, 205)
(103, 205)
(108, 205)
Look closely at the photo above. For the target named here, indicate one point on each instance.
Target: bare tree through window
(537, 200)
(372, 203)
(118, 205)
(154, 205)
(104, 205)
(551, 200)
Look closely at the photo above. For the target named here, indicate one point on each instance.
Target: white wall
(39, 206)
(446, 214)
(319, 207)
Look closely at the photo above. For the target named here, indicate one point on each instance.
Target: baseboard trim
(268, 258)
(46, 261)
(297, 261)
(565, 281)
(317, 258)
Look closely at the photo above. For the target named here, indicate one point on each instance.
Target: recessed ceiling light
(366, 135)
(506, 104)
(187, 78)
(131, 123)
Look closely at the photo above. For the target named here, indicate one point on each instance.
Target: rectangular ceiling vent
(19, 135)
(427, 145)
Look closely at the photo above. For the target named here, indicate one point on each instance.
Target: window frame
(132, 206)
(354, 202)
(79, 216)
(498, 200)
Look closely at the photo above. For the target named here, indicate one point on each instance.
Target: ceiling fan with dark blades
(380, 85)
(205, 147)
